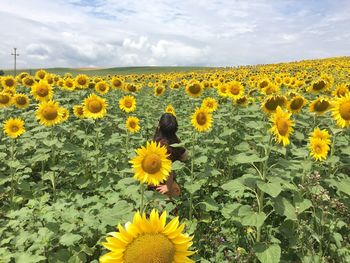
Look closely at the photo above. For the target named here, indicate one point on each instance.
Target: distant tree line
(2, 73)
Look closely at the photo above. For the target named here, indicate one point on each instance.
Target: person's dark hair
(167, 128)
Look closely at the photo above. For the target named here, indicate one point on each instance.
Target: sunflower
(322, 84)
(319, 134)
(194, 88)
(132, 124)
(28, 81)
(159, 90)
(131, 87)
(64, 114)
(341, 90)
(222, 90)
(40, 74)
(8, 82)
(21, 101)
(78, 111)
(270, 89)
(148, 240)
(210, 104)
(296, 104)
(95, 107)
(69, 84)
(5, 99)
(117, 83)
(318, 149)
(320, 106)
(82, 81)
(14, 127)
(151, 165)
(42, 91)
(102, 87)
(127, 103)
(10, 91)
(49, 113)
(202, 120)
(271, 103)
(170, 109)
(235, 90)
(341, 111)
(282, 126)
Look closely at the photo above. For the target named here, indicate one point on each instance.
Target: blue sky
(106, 33)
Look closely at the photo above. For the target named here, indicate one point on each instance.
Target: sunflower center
(235, 90)
(159, 90)
(150, 248)
(42, 91)
(151, 164)
(344, 110)
(117, 83)
(128, 103)
(80, 111)
(210, 105)
(263, 84)
(282, 126)
(82, 81)
(14, 128)
(195, 88)
(318, 149)
(296, 104)
(201, 118)
(50, 113)
(271, 104)
(319, 85)
(132, 88)
(21, 100)
(95, 106)
(321, 105)
(69, 84)
(132, 124)
(102, 87)
(9, 82)
(4, 99)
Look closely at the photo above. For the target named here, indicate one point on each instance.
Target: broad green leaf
(234, 187)
(284, 208)
(254, 219)
(267, 253)
(271, 188)
(69, 239)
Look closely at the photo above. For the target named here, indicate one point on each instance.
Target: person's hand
(163, 189)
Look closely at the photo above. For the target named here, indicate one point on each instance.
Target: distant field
(105, 71)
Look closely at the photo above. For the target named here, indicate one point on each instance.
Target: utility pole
(15, 56)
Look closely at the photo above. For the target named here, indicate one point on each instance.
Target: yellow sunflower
(21, 101)
(78, 111)
(5, 99)
(132, 124)
(318, 149)
(159, 90)
(323, 135)
(320, 106)
(282, 126)
(202, 120)
(146, 240)
(8, 82)
(222, 90)
(235, 90)
(127, 103)
(95, 107)
(271, 103)
(151, 165)
(64, 114)
(296, 104)
(102, 87)
(341, 111)
(131, 87)
(210, 104)
(69, 84)
(170, 109)
(28, 81)
(14, 127)
(341, 90)
(40, 74)
(82, 81)
(42, 91)
(49, 113)
(194, 88)
(117, 83)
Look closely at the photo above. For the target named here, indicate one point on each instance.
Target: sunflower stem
(97, 153)
(142, 188)
(192, 179)
(12, 171)
(53, 163)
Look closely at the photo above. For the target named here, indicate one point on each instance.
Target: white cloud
(77, 33)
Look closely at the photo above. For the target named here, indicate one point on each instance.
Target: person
(165, 135)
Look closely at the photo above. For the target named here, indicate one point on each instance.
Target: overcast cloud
(108, 33)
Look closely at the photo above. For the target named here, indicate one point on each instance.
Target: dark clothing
(175, 153)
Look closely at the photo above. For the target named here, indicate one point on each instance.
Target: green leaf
(244, 158)
(284, 208)
(254, 219)
(271, 188)
(69, 239)
(201, 159)
(177, 165)
(191, 188)
(234, 187)
(267, 253)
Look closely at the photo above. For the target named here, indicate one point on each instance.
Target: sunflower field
(266, 179)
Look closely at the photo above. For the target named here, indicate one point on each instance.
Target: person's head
(168, 124)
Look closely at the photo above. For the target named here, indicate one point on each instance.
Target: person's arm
(164, 188)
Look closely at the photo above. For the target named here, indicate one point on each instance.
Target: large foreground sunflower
(151, 165)
(341, 111)
(127, 103)
(14, 127)
(318, 149)
(202, 120)
(132, 124)
(49, 113)
(42, 91)
(95, 107)
(282, 126)
(148, 240)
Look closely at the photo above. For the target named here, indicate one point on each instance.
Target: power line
(15, 57)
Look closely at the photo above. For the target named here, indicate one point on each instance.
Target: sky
(117, 33)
